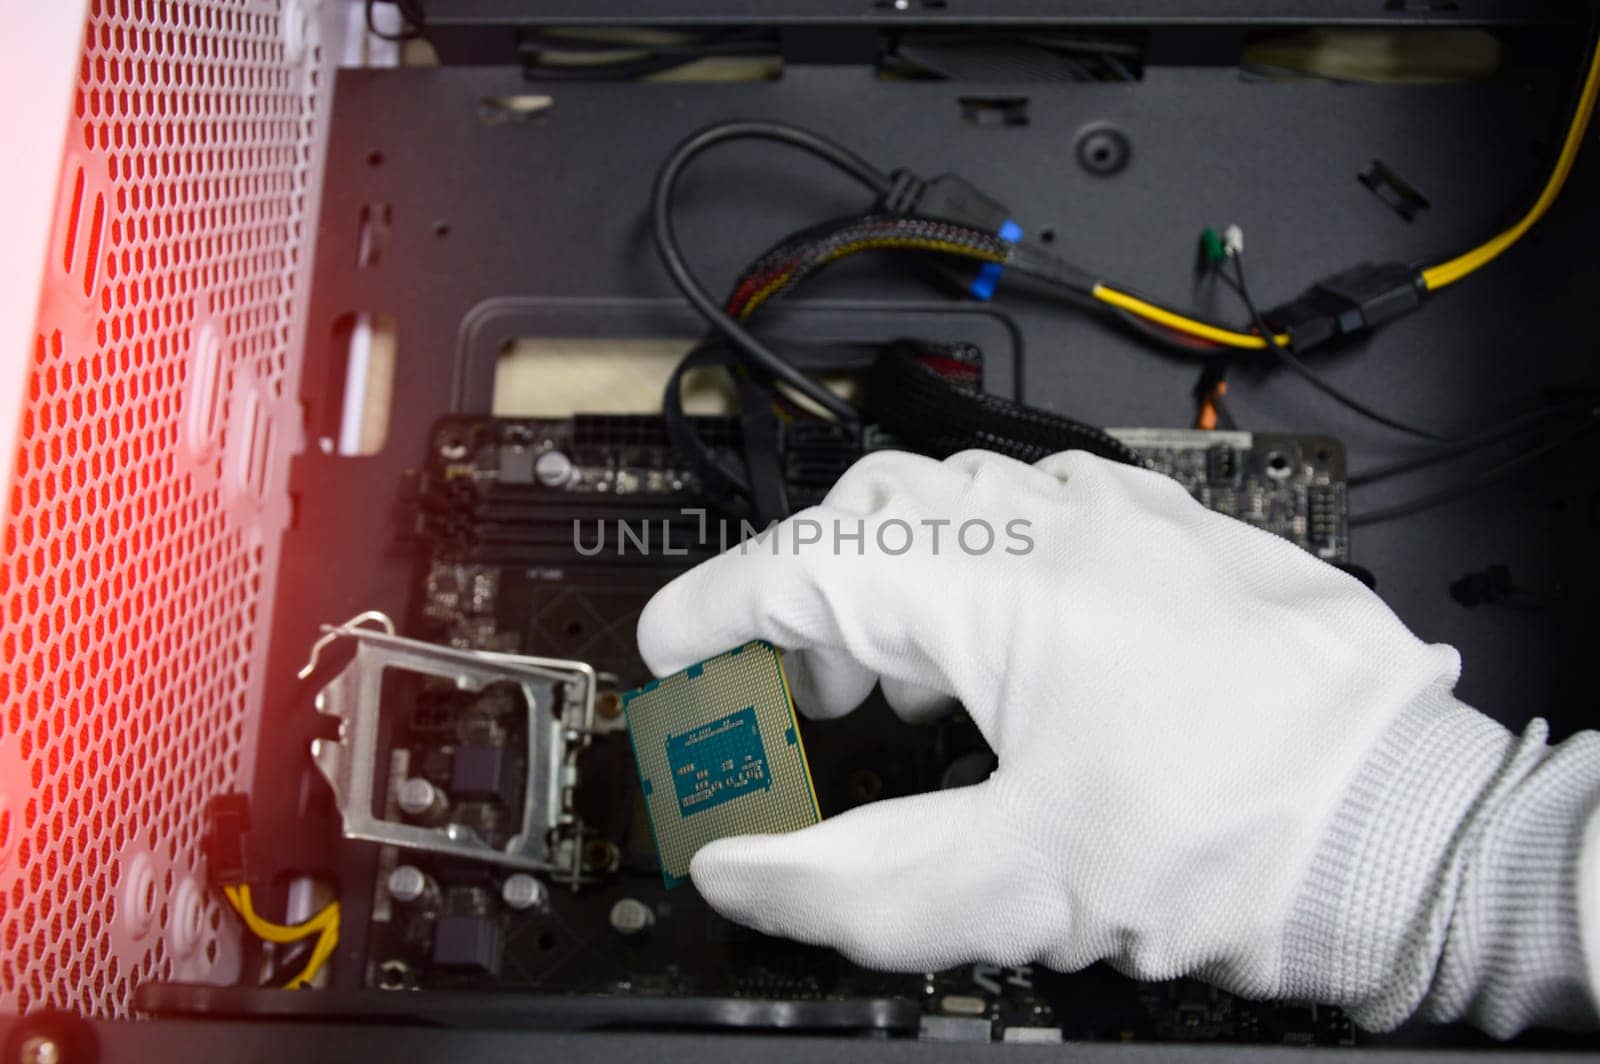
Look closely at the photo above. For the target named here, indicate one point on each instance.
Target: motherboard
(546, 537)
(1293, 486)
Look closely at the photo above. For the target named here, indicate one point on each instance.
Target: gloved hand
(1185, 710)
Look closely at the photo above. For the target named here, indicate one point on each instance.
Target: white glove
(1178, 702)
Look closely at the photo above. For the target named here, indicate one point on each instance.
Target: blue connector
(983, 284)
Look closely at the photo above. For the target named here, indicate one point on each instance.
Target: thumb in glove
(897, 884)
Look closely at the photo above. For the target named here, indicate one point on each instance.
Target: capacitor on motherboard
(420, 799)
(630, 916)
(553, 468)
(409, 885)
(521, 892)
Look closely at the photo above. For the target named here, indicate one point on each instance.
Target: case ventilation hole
(130, 598)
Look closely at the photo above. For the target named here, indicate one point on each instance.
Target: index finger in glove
(822, 606)
(835, 577)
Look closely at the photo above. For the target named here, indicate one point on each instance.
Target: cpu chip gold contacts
(719, 753)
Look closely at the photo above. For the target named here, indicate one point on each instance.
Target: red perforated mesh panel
(139, 525)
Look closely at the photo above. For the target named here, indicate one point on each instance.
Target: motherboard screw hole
(452, 447)
(392, 975)
(597, 855)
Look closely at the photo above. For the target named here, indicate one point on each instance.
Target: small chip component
(718, 751)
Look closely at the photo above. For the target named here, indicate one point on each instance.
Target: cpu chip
(718, 751)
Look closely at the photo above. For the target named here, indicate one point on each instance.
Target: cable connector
(948, 198)
(227, 821)
(1350, 302)
(905, 192)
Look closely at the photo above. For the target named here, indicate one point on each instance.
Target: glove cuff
(1448, 878)
(1367, 927)
(1513, 955)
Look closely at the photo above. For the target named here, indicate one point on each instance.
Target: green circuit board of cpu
(719, 753)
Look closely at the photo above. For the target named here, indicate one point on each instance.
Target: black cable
(1285, 354)
(1483, 480)
(938, 417)
(798, 258)
(753, 351)
(720, 483)
(1063, 280)
(1527, 422)
(290, 958)
(1029, 260)
(1033, 261)
(754, 482)
(1453, 446)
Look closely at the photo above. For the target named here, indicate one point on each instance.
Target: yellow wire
(1436, 277)
(325, 924)
(1101, 292)
(1173, 320)
(320, 953)
(244, 904)
(1433, 278)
